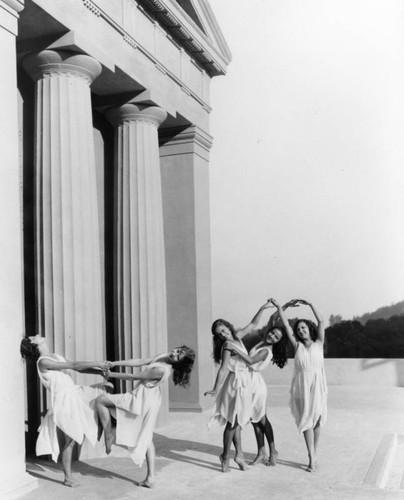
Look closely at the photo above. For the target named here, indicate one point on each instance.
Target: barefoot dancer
(232, 388)
(136, 411)
(69, 410)
(258, 359)
(308, 392)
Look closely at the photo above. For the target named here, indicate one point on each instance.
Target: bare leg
(228, 437)
(239, 457)
(150, 461)
(316, 433)
(269, 434)
(309, 439)
(66, 458)
(259, 436)
(102, 404)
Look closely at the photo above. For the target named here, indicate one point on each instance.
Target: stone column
(70, 302)
(14, 481)
(184, 161)
(140, 280)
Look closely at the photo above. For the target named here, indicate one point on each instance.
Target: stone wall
(355, 372)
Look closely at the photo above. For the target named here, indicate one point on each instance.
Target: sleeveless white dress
(234, 399)
(259, 387)
(308, 392)
(70, 407)
(136, 413)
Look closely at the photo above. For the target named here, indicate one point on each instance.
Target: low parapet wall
(355, 372)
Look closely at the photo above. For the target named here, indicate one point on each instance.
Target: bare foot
(273, 458)
(147, 483)
(224, 463)
(109, 438)
(71, 483)
(312, 467)
(241, 462)
(259, 459)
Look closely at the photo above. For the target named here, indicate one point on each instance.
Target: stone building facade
(104, 184)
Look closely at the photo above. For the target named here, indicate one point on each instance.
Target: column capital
(61, 62)
(193, 139)
(136, 113)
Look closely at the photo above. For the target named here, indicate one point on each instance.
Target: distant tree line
(378, 338)
(379, 334)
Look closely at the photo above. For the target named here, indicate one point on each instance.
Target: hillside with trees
(379, 334)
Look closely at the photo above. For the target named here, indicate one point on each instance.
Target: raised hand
(267, 304)
(275, 303)
(302, 302)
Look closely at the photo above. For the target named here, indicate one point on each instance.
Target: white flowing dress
(70, 407)
(259, 387)
(234, 399)
(308, 392)
(136, 413)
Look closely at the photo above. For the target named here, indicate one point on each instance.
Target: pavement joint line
(381, 464)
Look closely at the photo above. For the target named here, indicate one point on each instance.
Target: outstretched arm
(131, 362)
(285, 323)
(221, 374)
(78, 366)
(252, 325)
(155, 373)
(319, 319)
(250, 360)
(274, 318)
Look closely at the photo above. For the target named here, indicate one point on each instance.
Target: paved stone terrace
(354, 457)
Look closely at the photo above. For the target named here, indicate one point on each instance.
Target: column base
(17, 486)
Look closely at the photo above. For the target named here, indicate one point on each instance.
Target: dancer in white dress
(136, 412)
(70, 406)
(272, 347)
(232, 389)
(308, 392)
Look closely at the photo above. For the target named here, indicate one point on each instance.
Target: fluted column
(140, 286)
(70, 305)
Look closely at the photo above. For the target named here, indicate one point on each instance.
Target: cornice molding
(17, 5)
(184, 31)
(127, 38)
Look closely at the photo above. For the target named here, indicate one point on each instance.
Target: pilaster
(14, 481)
(184, 161)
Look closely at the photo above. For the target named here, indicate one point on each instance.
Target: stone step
(387, 468)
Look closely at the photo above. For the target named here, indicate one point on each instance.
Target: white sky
(307, 165)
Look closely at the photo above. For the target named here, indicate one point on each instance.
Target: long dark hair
(312, 329)
(28, 350)
(280, 348)
(218, 342)
(182, 369)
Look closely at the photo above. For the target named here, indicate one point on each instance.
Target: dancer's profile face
(273, 336)
(177, 354)
(37, 339)
(223, 332)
